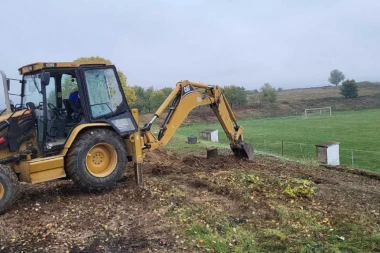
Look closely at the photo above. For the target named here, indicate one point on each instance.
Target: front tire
(96, 159)
(9, 188)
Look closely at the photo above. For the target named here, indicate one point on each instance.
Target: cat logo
(187, 90)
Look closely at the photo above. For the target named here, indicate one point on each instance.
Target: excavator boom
(184, 98)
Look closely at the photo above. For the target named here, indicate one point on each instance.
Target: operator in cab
(74, 95)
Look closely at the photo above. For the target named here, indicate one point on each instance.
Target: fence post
(352, 158)
(282, 148)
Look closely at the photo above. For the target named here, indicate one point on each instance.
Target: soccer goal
(317, 112)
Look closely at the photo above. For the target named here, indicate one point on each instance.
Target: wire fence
(354, 158)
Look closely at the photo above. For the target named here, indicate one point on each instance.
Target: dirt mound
(199, 162)
(161, 162)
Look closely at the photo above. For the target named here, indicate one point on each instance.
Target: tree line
(149, 99)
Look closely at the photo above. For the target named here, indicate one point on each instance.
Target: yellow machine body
(39, 149)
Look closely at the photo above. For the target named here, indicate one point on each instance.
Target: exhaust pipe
(6, 95)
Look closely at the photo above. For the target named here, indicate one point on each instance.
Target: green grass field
(356, 130)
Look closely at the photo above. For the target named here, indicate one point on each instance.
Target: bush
(268, 93)
(349, 89)
(299, 188)
(236, 95)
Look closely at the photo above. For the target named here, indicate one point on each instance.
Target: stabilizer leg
(138, 174)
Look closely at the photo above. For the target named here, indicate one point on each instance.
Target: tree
(268, 93)
(128, 91)
(236, 95)
(148, 103)
(150, 99)
(166, 91)
(252, 99)
(349, 89)
(140, 99)
(158, 97)
(336, 77)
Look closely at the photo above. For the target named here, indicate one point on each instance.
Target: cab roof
(44, 65)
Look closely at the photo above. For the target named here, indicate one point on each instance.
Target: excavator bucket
(243, 150)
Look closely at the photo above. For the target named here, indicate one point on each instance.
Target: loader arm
(184, 98)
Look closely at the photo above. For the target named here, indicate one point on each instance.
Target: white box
(328, 153)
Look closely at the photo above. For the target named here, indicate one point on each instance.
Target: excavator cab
(98, 97)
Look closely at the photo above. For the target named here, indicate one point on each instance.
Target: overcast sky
(288, 43)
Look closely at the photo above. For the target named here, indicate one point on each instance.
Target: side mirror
(45, 78)
(8, 84)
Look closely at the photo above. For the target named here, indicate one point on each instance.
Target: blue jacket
(74, 96)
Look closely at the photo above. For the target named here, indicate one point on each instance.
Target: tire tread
(15, 184)
(79, 144)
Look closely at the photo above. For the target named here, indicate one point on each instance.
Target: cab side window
(69, 85)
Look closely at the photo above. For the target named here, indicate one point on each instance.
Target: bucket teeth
(243, 150)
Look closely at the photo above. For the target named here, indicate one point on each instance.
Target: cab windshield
(32, 89)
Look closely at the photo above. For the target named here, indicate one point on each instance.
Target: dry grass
(323, 92)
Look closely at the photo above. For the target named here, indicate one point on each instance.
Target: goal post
(320, 112)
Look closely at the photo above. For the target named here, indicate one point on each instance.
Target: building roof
(327, 144)
(209, 130)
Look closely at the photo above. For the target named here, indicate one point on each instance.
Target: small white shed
(328, 153)
(210, 135)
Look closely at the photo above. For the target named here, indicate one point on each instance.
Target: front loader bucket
(243, 150)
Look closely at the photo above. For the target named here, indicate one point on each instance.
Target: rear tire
(9, 188)
(96, 159)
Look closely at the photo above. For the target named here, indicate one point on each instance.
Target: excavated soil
(58, 217)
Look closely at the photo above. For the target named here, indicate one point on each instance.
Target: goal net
(317, 112)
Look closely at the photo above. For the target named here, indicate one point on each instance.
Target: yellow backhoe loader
(73, 121)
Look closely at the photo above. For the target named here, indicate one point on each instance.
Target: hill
(365, 89)
(300, 99)
(293, 102)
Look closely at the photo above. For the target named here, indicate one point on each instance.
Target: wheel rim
(1, 191)
(101, 160)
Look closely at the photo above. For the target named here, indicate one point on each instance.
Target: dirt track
(58, 217)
